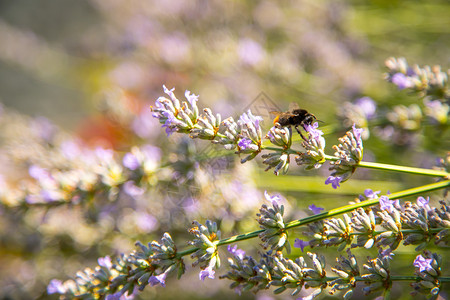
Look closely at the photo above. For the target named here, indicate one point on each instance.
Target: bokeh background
(87, 71)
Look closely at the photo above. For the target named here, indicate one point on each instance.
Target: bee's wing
(275, 113)
(293, 105)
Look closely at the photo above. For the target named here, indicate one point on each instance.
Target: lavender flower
(334, 180)
(174, 116)
(56, 287)
(298, 243)
(315, 209)
(401, 81)
(159, 279)
(371, 194)
(236, 252)
(349, 153)
(314, 145)
(207, 272)
(244, 144)
(387, 204)
(422, 263)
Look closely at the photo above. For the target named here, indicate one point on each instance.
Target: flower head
(273, 199)
(159, 279)
(334, 180)
(236, 252)
(207, 272)
(316, 210)
(371, 194)
(56, 287)
(401, 81)
(244, 143)
(422, 263)
(387, 204)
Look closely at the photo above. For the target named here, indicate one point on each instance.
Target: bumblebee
(296, 117)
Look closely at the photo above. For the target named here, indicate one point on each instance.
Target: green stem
(331, 213)
(348, 208)
(396, 168)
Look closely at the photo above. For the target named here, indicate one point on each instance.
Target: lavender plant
(371, 221)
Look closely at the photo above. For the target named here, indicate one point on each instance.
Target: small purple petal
(207, 272)
(357, 133)
(316, 210)
(159, 279)
(312, 129)
(422, 263)
(401, 81)
(236, 252)
(55, 287)
(388, 252)
(191, 98)
(274, 199)
(371, 194)
(105, 262)
(387, 204)
(421, 201)
(244, 143)
(334, 180)
(298, 243)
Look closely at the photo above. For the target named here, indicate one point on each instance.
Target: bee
(295, 116)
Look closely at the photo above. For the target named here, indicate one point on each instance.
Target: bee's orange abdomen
(276, 119)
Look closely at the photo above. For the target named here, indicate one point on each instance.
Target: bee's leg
(299, 132)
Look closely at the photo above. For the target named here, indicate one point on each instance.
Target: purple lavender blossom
(401, 81)
(357, 133)
(273, 199)
(207, 272)
(368, 106)
(387, 253)
(316, 210)
(312, 129)
(236, 252)
(298, 243)
(159, 279)
(55, 287)
(248, 117)
(171, 120)
(191, 98)
(130, 161)
(371, 194)
(171, 94)
(421, 201)
(334, 180)
(422, 263)
(105, 262)
(244, 143)
(387, 204)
